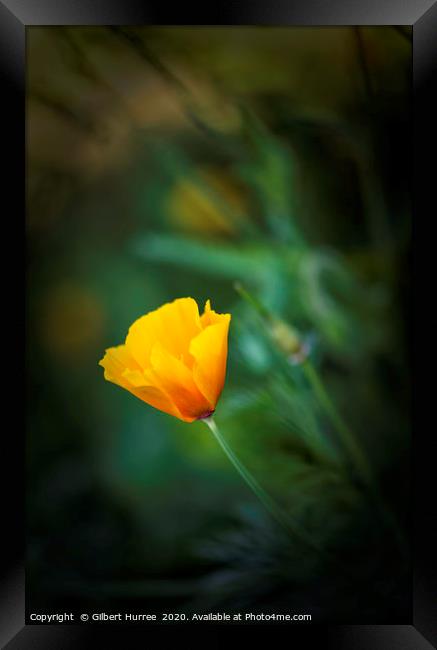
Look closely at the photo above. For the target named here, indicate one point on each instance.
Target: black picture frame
(15, 16)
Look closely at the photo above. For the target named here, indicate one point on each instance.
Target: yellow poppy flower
(173, 359)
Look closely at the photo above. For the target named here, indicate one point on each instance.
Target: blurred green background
(167, 162)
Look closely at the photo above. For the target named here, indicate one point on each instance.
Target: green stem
(355, 452)
(291, 527)
(256, 304)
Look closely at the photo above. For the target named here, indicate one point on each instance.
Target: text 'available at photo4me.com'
(167, 617)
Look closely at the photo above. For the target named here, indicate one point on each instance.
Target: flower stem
(291, 527)
(254, 302)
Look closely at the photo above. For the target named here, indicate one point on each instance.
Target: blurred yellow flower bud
(214, 203)
(286, 338)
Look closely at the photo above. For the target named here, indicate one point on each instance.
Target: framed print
(219, 220)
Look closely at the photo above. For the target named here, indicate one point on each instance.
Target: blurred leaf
(222, 260)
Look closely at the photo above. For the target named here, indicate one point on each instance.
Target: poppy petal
(173, 326)
(122, 369)
(176, 380)
(209, 350)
